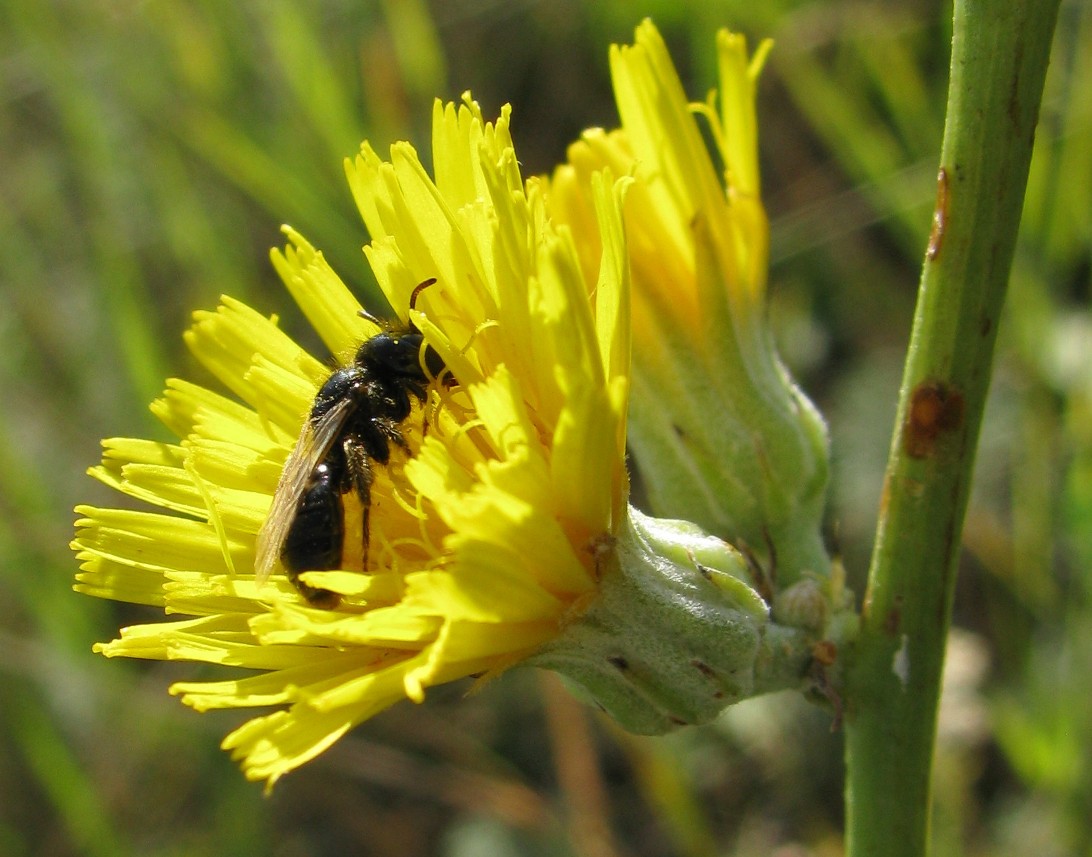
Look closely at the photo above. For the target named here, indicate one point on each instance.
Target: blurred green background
(150, 151)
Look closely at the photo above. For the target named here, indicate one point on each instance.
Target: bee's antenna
(378, 322)
(363, 313)
(413, 299)
(420, 288)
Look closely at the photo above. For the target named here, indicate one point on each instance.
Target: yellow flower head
(679, 208)
(720, 433)
(485, 532)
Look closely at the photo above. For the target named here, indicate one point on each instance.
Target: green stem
(999, 59)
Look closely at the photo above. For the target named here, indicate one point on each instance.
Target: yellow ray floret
(482, 533)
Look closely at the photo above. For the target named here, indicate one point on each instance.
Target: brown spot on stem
(936, 409)
(893, 620)
(940, 217)
(825, 652)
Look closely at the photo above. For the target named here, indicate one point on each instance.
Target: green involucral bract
(677, 632)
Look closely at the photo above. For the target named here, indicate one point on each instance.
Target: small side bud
(802, 605)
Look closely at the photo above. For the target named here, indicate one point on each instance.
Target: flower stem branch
(999, 60)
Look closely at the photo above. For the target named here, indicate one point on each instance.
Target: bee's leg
(393, 433)
(358, 475)
(358, 469)
(377, 437)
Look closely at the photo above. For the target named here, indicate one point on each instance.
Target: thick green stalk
(999, 57)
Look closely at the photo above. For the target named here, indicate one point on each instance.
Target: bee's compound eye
(398, 354)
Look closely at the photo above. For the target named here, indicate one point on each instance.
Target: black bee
(356, 417)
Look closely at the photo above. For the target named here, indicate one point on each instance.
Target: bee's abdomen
(315, 537)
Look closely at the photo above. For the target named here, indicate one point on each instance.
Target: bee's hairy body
(355, 422)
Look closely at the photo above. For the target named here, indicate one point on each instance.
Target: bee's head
(396, 354)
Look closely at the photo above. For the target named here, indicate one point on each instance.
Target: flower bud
(675, 632)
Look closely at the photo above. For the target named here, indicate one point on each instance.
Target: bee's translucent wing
(311, 448)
